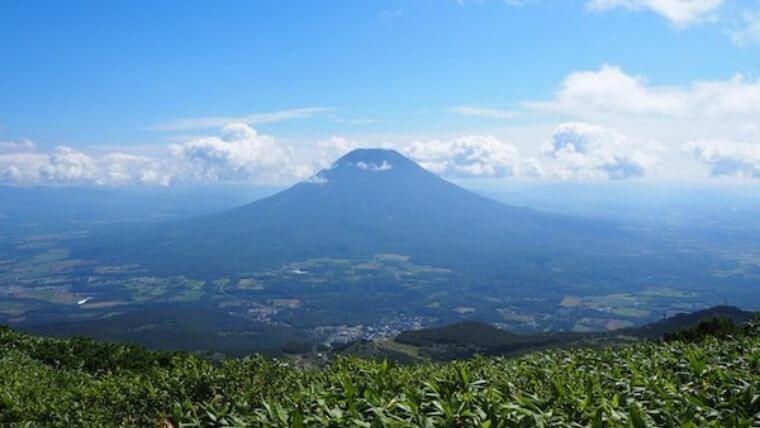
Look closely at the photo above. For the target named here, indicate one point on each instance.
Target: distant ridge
(687, 320)
(369, 201)
(467, 338)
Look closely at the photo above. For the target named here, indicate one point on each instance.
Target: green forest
(708, 376)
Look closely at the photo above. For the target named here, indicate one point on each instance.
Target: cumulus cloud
(610, 91)
(726, 158)
(577, 151)
(680, 13)
(471, 156)
(330, 150)
(27, 165)
(22, 167)
(239, 154)
(582, 151)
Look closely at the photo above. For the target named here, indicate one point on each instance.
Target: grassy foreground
(79, 382)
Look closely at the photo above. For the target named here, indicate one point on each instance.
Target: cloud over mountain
(331, 149)
(470, 156)
(240, 154)
(576, 151)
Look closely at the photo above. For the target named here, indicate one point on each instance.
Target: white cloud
(63, 164)
(727, 158)
(577, 151)
(238, 155)
(330, 150)
(680, 13)
(317, 178)
(581, 151)
(22, 167)
(471, 156)
(370, 166)
(251, 119)
(748, 31)
(610, 91)
(484, 112)
(16, 146)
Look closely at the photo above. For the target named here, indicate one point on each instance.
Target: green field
(79, 382)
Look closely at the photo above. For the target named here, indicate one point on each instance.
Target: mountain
(689, 320)
(369, 201)
(464, 333)
(466, 338)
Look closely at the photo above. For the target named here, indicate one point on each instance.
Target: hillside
(687, 320)
(468, 338)
(370, 201)
(169, 327)
(80, 382)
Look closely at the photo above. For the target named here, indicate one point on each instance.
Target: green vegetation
(79, 382)
(713, 327)
(317, 299)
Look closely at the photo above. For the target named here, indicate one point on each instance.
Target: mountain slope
(370, 201)
(711, 383)
(688, 320)
(467, 338)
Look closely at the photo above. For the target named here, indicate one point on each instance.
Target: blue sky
(435, 79)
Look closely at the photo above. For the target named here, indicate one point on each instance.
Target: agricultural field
(317, 300)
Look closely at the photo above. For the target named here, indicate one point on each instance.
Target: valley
(360, 254)
(309, 302)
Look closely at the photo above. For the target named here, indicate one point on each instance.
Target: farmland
(47, 288)
(318, 300)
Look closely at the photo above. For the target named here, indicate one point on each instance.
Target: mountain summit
(377, 157)
(369, 165)
(369, 201)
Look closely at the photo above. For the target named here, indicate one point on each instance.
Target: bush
(714, 327)
(712, 382)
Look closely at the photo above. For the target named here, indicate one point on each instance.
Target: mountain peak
(370, 201)
(374, 160)
(371, 154)
(373, 167)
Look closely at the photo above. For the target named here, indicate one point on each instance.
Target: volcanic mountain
(369, 201)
